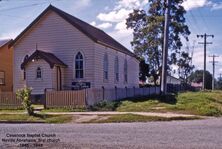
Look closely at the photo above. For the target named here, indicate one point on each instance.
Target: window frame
(79, 72)
(116, 69)
(37, 71)
(3, 79)
(106, 67)
(125, 73)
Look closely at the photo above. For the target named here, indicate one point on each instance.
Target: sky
(203, 16)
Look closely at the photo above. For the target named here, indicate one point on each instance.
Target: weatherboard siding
(53, 34)
(38, 85)
(133, 68)
(6, 64)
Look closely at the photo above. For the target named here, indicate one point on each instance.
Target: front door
(59, 78)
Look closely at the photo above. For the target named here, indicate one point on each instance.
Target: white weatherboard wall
(53, 34)
(133, 68)
(38, 85)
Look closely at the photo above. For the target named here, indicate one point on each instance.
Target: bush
(104, 106)
(25, 95)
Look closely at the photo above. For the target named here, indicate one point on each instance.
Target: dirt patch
(88, 118)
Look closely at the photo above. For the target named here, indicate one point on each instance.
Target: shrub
(25, 94)
(104, 106)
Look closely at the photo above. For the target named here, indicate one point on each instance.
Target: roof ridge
(92, 32)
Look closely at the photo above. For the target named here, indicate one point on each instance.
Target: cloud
(117, 16)
(121, 25)
(93, 23)
(102, 25)
(192, 4)
(114, 16)
(215, 6)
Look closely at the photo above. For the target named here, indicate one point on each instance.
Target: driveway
(176, 134)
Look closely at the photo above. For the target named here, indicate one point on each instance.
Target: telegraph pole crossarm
(205, 49)
(213, 62)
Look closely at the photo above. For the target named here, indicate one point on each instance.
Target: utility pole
(165, 48)
(205, 49)
(213, 62)
(220, 76)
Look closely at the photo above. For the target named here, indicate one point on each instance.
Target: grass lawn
(37, 118)
(136, 118)
(199, 103)
(64, 110)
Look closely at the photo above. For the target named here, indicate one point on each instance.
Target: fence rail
(99, 94)
(68, 99)
(9, 100)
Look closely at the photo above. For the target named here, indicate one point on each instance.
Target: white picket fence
(94, 95)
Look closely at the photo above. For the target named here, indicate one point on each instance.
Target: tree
(144, 71)
(197, 77)
(184, 65)
(148, 28)
(219, 83)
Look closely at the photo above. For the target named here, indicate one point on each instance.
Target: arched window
(116, 69)
(24, 71)
(38, 73)
(105, 67)
(125, 71)
(79, 66)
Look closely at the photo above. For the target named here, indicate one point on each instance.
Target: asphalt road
(176, 134)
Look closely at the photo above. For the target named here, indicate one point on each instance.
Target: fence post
(126, 91)
(86, 96)
(45, 99)
(116, 92)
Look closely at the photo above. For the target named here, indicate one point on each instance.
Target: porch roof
(50, 58)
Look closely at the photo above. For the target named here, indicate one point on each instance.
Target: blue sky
(203, 16)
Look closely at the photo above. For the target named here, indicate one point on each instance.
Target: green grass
(63, 110)
(137, 118)
(37, 118)
(199, 103)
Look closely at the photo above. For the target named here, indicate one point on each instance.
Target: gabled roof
(50, 58)
(4, 42)
(92, 32)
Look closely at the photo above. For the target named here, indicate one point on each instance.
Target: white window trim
(74, 65)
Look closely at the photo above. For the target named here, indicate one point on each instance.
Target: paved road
(176, 134)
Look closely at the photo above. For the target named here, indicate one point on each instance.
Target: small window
(79, 66)
(38, 73)
(125, 71)
(116, 69)
(2, 78)
(105, 67)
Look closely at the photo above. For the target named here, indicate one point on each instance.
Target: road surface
(176, 134)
